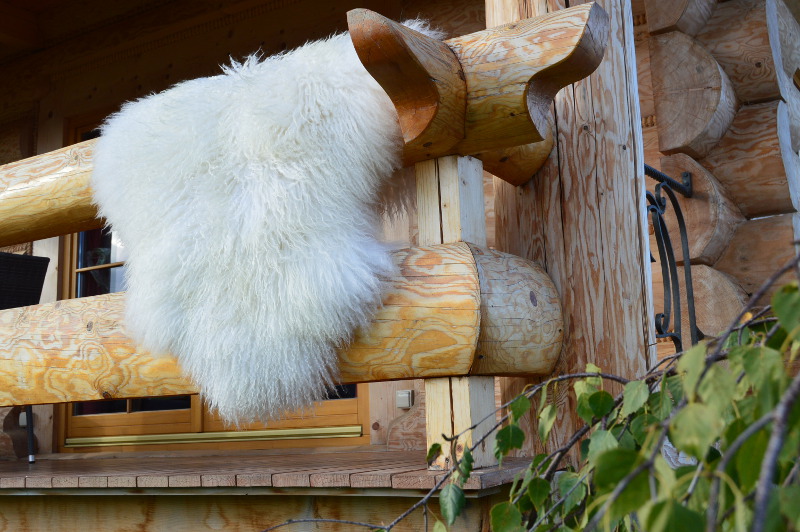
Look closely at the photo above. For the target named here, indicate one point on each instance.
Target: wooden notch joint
(485, 91)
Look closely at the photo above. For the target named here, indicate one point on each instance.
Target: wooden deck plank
(368, 469)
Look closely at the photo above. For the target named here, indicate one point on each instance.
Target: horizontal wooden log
(510, 74)
(758, 249)
(710, 215)
(718, 299)
(755, 161)
(47, 195)
(756, 43)
(688, 16)
(694, 100)
(442, 309)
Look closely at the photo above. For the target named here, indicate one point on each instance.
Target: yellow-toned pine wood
(428, 326)
(582, 217)
(694, 99)
(518, 165)
(514, 71)
(47, 195)
(509, 76)
(449, 209)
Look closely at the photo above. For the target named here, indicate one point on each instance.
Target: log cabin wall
(718, 101)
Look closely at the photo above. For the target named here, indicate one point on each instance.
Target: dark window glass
(112, 406)
(150, 404)
(343, 391)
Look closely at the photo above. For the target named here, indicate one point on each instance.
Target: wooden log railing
(453, 310)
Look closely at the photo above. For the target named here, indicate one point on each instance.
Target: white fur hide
(247, 202)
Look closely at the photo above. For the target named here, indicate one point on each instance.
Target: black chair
(21, 283)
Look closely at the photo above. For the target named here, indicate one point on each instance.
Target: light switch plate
(404, 398)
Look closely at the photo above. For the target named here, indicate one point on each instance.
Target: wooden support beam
(755, 161)
(47, 195)
(758, 249)
(450, 208)
(428, 326)
(509, 74)
(583, 217)
(688, 16)
(518, 165)
(710, 215)
(694, 100)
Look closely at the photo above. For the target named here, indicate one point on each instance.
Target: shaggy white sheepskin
(247, 202)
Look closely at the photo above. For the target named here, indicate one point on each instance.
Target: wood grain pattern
(428, 326)
(710, 215)
(688, 16)
(518, 165)
(755, 163)
(695, 102)
(738, 37)
(595, 254)
(47, 195)
(532, 328)
(514, 71)
(422, 77)
(450, 208)
(718, 299)
(758, 249)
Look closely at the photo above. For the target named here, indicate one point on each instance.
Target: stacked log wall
(719, 101)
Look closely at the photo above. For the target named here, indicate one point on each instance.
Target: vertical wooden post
(450, 209)
(583, 216)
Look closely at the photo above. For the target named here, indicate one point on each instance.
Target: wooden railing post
(450, 209)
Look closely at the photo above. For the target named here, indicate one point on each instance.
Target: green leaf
(465, 465)
(451, 502)
(566, 483)
(749, 458)
(786, 305)
(718, 388)
(633, 497)
(583, 388)
(601, 403)
(634, 397)
(671, 516)
(613, 465)
(601, 441)
(584, 410)
(438, 526)
(788, 498)
(433, 453)
(640, 426)
(694, 428)
(597, 382)
(691, 364)
(538, 491)
(674, 385)
(660, 405)
(506, 518)
(546, 420)
(519, 407)
(624, 437)
(507, 438)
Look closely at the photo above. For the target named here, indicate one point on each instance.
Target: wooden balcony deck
(300, 468)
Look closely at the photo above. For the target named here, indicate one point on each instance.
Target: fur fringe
(248, 205)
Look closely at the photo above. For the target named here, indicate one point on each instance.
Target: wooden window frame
(311, 427)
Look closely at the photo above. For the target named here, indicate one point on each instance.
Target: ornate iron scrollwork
(669, 323)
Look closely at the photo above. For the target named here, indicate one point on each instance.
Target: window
(93, 264)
